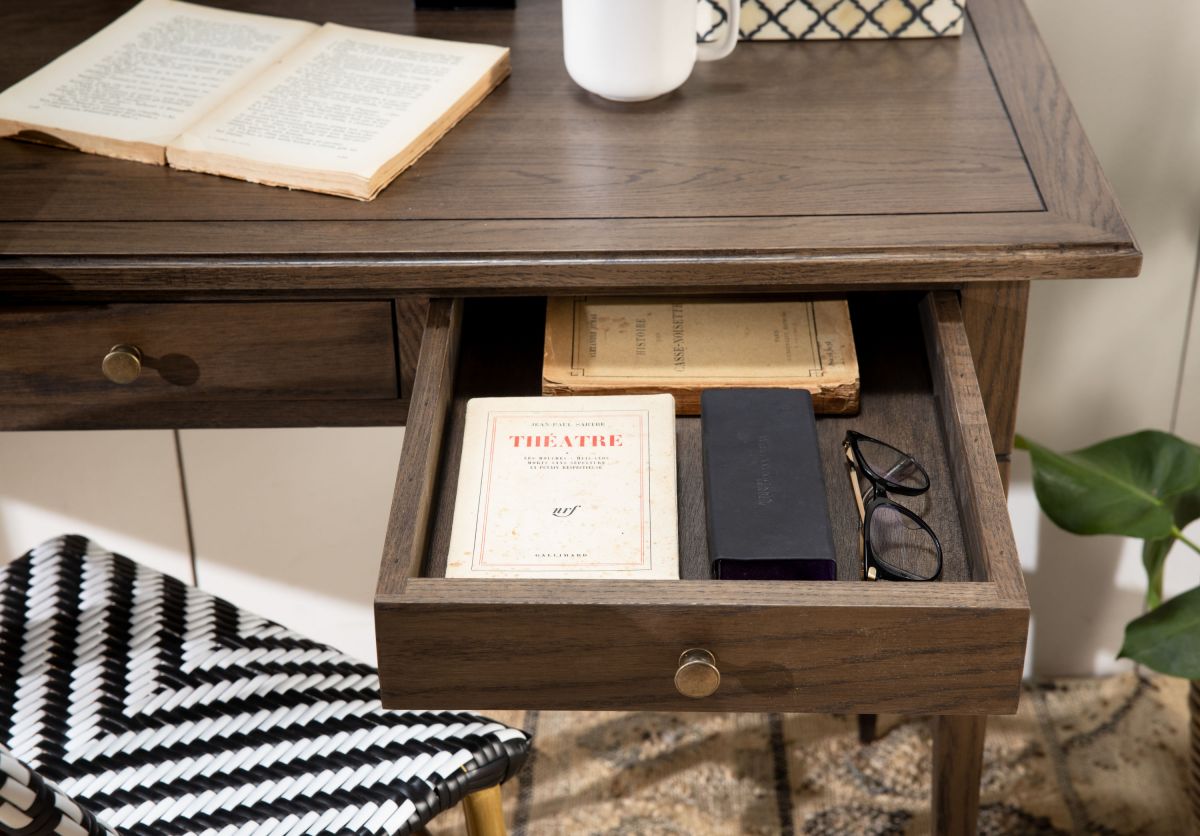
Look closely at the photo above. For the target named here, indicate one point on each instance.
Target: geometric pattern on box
(804, 20)
(154, 708)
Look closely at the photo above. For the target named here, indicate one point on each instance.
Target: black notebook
(764, 490)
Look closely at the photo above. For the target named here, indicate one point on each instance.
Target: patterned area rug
(1083, 756)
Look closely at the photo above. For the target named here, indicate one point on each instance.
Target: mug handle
(719, 49)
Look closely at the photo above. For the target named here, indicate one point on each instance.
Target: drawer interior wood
(500, 358)
(950, 647)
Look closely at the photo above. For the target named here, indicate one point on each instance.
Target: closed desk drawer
(950, 647)
(186, 355)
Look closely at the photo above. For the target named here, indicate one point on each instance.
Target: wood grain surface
(556, 646)
(72, 414)
(200, 352)
(994, 319)
(405, 542)
(788, 164)
(980, 492)
(1005, 465)
(949, 647)
(1069, 179)
(410, 314)
(789, 131)
(957, 768)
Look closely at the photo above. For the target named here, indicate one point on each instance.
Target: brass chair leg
(484, 814)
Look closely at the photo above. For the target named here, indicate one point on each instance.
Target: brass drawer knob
(697, 675)
(122, 364)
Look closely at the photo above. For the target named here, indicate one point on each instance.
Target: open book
(271, 100)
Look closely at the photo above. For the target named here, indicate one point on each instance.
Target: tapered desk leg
(957, 768)
(866, 728)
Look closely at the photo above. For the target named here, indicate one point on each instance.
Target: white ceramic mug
(633, 50)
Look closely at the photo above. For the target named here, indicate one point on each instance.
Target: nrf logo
(566, 512)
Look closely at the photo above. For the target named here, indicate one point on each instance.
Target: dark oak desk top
(819, 165)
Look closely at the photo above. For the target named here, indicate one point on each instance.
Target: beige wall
(290, 523)
(1105, 358)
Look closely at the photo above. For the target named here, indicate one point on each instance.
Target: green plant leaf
(1132, 485)
(1167, 639)
(1154, 558)
(1184, 508)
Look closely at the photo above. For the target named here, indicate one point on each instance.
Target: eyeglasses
(897, 545)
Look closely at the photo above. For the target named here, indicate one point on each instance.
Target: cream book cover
(682, 346)
(575, 487)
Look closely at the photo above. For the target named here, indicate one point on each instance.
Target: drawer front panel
(940, 659)
(200, 352)
(951, 647)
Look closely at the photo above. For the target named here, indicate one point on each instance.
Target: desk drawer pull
(697, 675)
(122, 364)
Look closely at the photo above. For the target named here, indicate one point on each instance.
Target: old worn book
(683, 346)
(267, 99)
(567, 488)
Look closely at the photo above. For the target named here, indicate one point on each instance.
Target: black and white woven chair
(133, 703)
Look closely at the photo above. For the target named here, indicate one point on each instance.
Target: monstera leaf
(1144, 485)
(1129, 485)
(1167, 639)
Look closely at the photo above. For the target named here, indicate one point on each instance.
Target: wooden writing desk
(930, 179)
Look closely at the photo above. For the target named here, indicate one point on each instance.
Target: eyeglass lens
(901, 544)
(891, 464)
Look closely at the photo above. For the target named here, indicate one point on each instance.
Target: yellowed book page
(135, 85)
(346, 101)
(683, 345)
(567, 488)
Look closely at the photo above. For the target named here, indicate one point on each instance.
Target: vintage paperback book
(686, 345)
(267, 99)
(567, 488)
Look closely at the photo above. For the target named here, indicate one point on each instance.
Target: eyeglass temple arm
(858, 494)
(852, 467)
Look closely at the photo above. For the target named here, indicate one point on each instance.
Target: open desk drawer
(950, 647)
